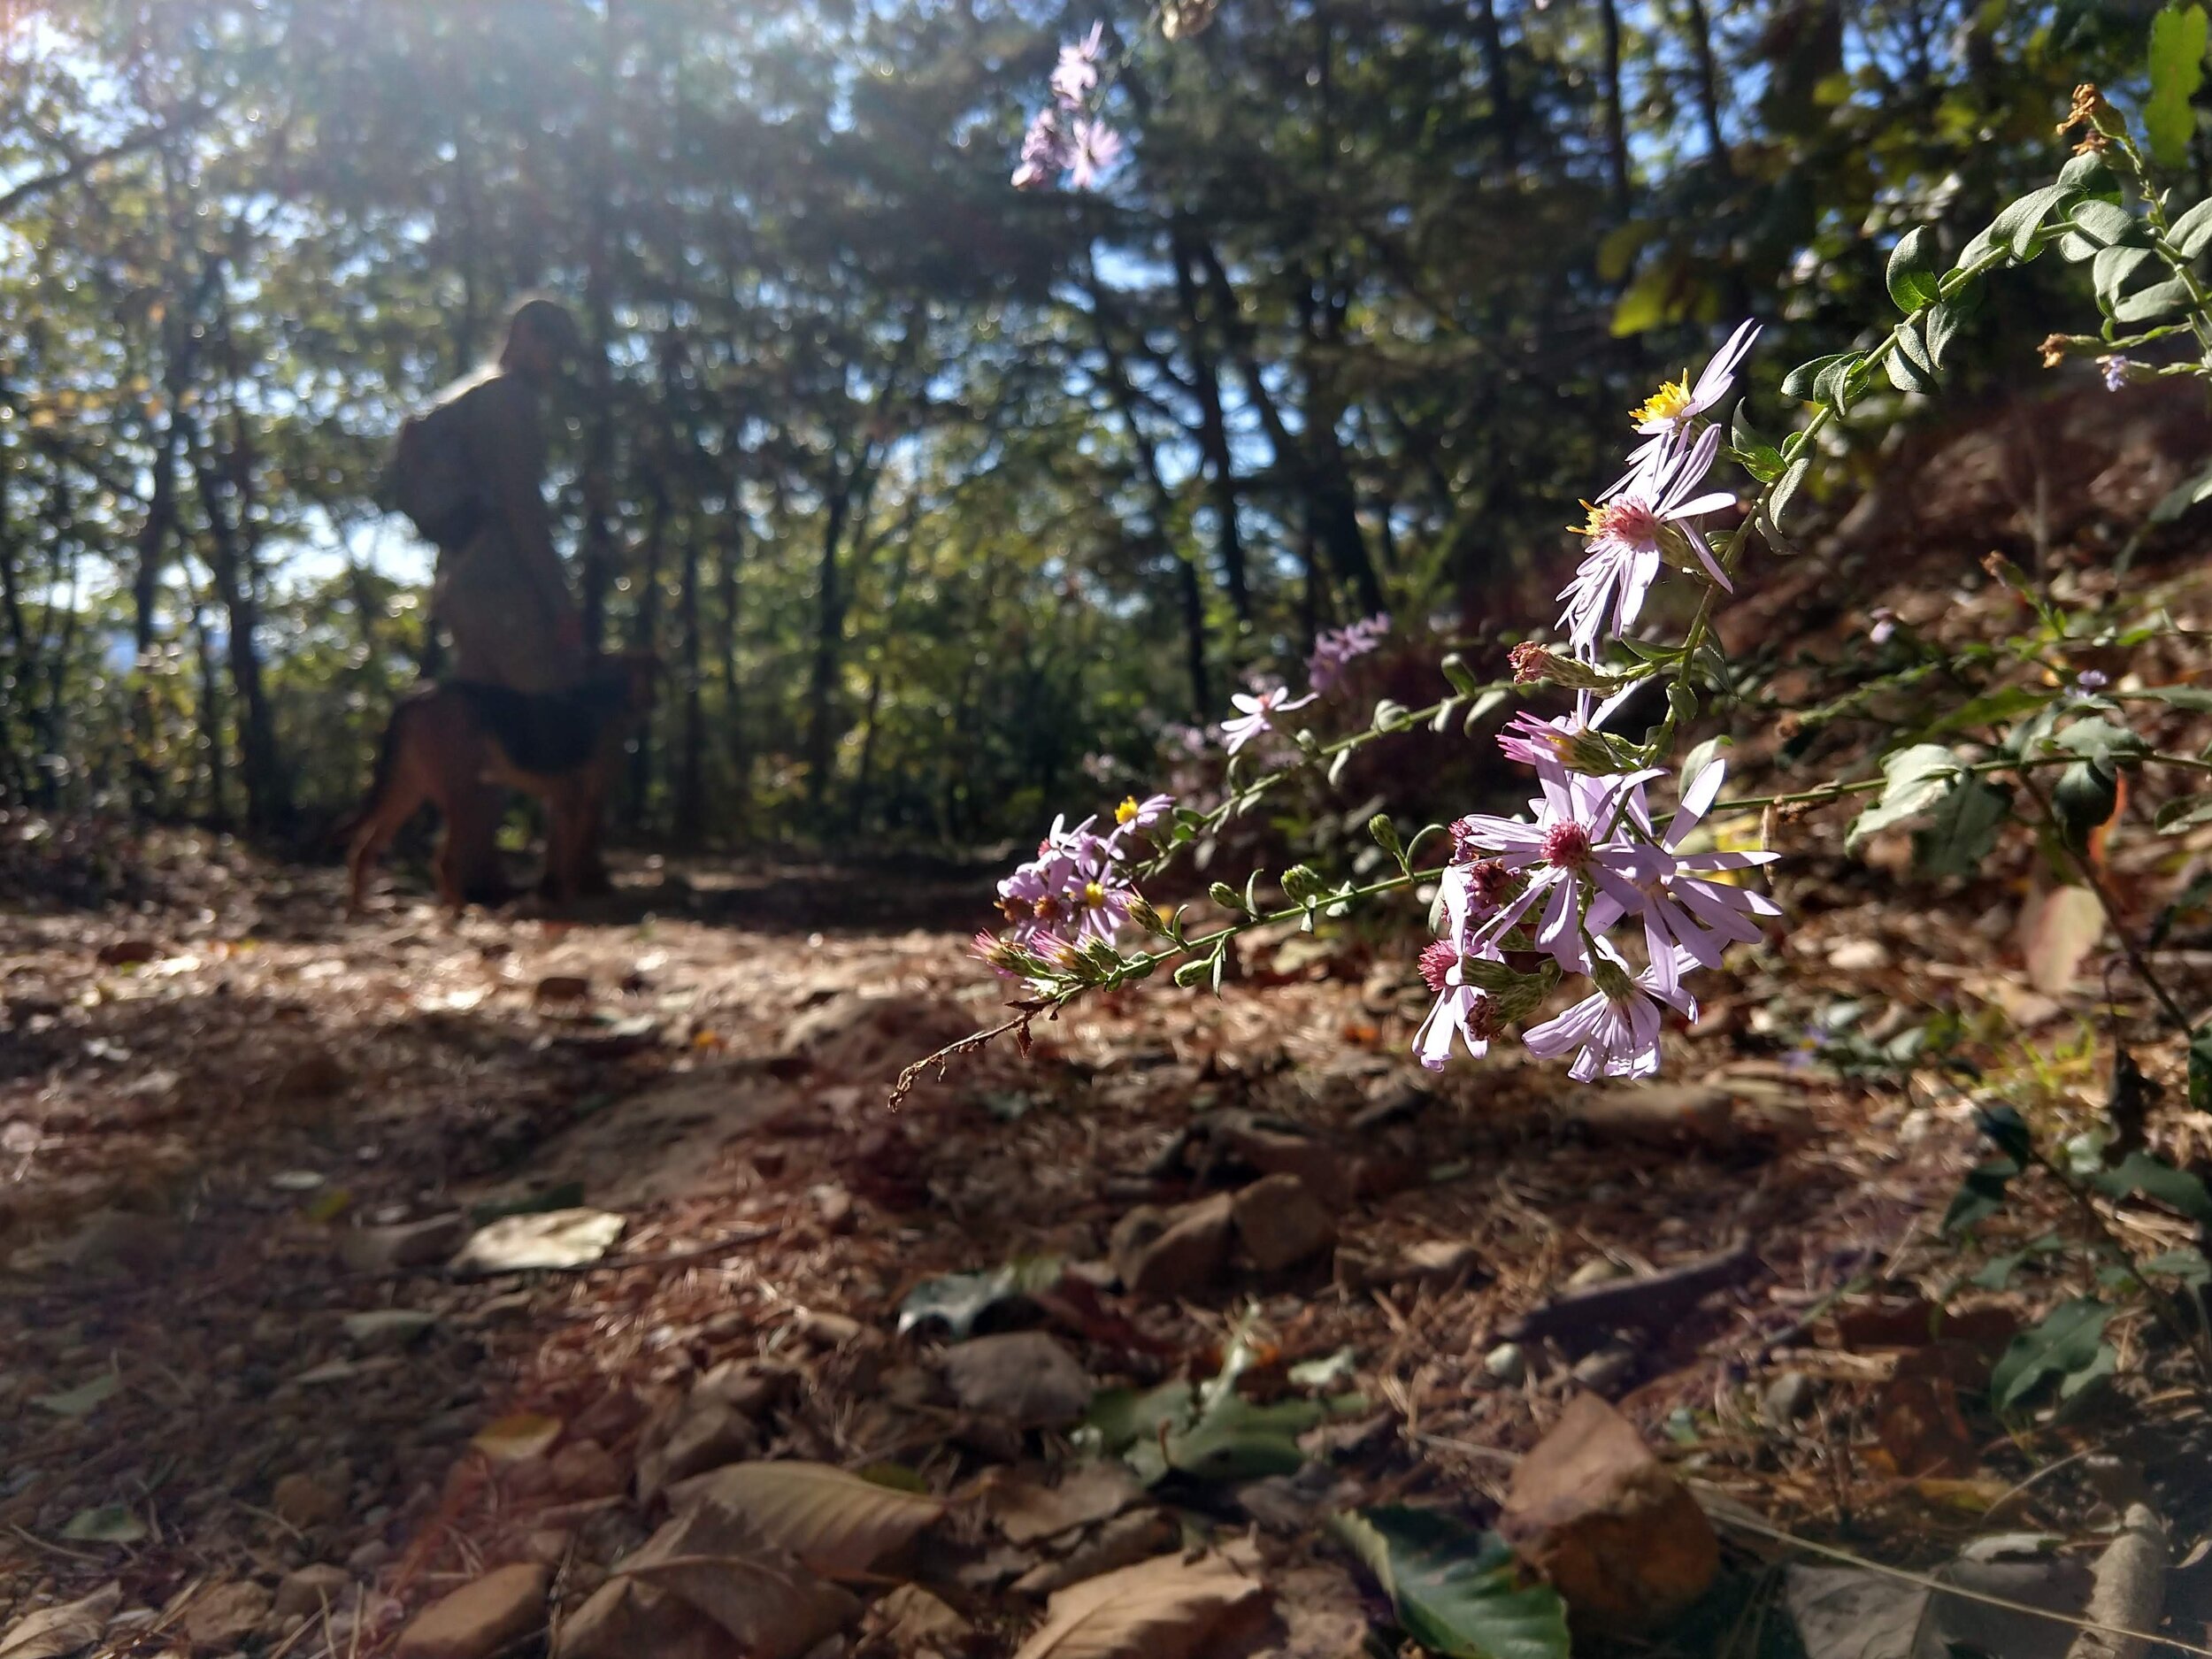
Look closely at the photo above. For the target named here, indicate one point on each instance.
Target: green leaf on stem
(2139, 1175)
(1962, 830)
(2067, 1344)
(1916, 777)
(2188, 233)
(1456, 1591)
(1912, 273)
(2083, 801)
(2177, 41)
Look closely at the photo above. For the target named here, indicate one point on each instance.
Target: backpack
(430, 478)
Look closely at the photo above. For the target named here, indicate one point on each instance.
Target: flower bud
(1143, 913)
(2099, 120)
(1222, 894)
(1302, 884)
(1534, 664)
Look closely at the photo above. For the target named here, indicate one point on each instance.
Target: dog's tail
(379, 777)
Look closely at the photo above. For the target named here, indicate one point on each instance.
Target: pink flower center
(1630, 522)
(1490, 884)
(1567, 846)
(1437, 961)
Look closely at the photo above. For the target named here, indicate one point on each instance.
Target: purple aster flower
(1684, 911)
(1668, 412)
(1077, 71)
(1631, 534)
(1336, 647)
(1616, 1029)
(2118, 371)
(1461, 1010)
(1096, 148)
(1576, 836)
(1884, 626)
(1259, 710)
(1135, 814)
(2091, 681)
(1047, 152)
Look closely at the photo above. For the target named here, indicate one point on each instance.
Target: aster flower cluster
(1527, 901)
(1333, 648)
(1068, 136)
(1076, 891)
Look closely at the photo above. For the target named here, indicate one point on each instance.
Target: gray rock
(1606, 1370)
(1506, 1364)
(1174, 1252)
(1790, 1397)
(1028, 1378)
(410, 1244)
(1281, 1222)
(305, 1593)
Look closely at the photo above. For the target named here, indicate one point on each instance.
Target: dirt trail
(228, 1360)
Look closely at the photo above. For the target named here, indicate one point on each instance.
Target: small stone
(478, 1619)
(1606, 1370)
(1599, 1270)
(829, 1330)
(745, 1385)
(1507, 1364)
(706, 1433)
(410, 1244)
(1858, 956)
(303, 1501)
(1791, 1396)
(1281, 1223)
(305, 1593)
(387, 1330)
(1657, 1114)
(316, 1076)
(835, 1205)
(913, 1621)
(563, 987)
(366, 1558)
(585, 1469)
(1028, 1378)
(627, 1619)
(1175, 1252)
(221, 1616)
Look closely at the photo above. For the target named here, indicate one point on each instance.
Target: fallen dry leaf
(764, 1597)
(838, 1524)
(1596, 1513)
(1163, 1609)
(53, 1631)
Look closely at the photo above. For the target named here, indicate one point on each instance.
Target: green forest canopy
(925, 488)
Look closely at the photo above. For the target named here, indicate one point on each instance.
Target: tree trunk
(1616, 108)
(211, 734)
(1189, 590)
(1505, 113)
(1331, 514)
(733, 558)
(597, 554)
(1213, 436)
(1708, 85)
(691, 782)
(231, 564)
(645, 636)
(152, 559)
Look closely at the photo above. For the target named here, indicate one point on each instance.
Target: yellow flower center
(1093, 894)
(1669, 402)
(1126, 810)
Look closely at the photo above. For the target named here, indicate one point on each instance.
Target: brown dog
(455, 744)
